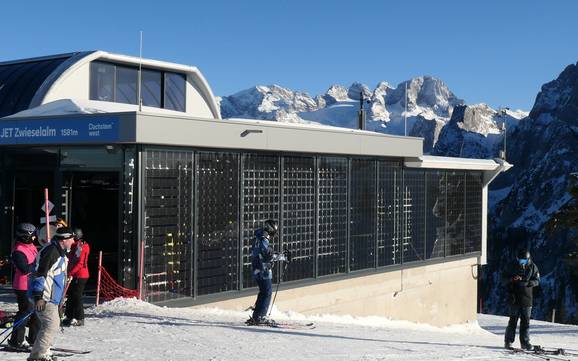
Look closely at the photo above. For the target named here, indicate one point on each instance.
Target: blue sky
(497, 52)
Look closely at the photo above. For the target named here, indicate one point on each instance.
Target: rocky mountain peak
(356, 89)
(559, 98)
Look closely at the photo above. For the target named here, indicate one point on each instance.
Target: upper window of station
(118, 83)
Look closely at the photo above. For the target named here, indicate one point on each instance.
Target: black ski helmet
(271, 227)
(523, 254)
(78, 234)
(25, 232)
(63, 233)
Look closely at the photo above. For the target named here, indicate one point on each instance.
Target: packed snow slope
(133, 330)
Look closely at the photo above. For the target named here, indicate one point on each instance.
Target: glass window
(109, 156)
(101, 81)
(175, 92)
(151, 88)
(126, 80)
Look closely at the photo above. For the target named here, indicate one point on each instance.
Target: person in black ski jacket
(262, 258)
(520, 278)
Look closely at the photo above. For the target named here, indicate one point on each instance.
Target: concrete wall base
(440, 295)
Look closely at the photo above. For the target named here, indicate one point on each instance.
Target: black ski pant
(24, 307)
(524, 314)
(74, 304)
(263, 298)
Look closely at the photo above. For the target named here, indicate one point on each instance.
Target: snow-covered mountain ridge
(425, 101)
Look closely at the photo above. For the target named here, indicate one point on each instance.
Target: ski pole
(61, 304)
(277, 289)
(14, 326)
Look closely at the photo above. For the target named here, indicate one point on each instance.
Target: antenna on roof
(139, 85)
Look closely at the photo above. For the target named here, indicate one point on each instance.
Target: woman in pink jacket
(78, 270)
(24, 259)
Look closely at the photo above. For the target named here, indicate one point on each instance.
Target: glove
(280, 257)
(40, 305)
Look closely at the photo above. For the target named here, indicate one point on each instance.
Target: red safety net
(110, 289)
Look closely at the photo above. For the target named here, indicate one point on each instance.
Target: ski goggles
(523, 261)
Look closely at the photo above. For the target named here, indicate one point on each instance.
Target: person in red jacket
(78, 271)
(24, 260)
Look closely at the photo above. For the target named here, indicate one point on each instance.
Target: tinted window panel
(175, 92)
(102, 82)
(151, 88)
(126, 79)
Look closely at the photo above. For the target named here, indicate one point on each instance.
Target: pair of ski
(283, 325)
(546, 353)
(56, 351)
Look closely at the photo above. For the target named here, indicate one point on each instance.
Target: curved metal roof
(21, 79)
(26, 83)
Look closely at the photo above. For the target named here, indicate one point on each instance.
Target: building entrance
(91, 200)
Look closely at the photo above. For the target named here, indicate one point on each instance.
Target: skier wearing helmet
(24, 258)
(262, 258)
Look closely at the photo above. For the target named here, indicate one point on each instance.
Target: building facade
(373, 226)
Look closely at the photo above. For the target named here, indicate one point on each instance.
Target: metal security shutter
(217, 229)
(332, 200)
(389, 213)
(363, 214)
(455, 216)
(299, 218)
(473, 212)
(435, 231)
(260, 202)
(168, 197)
(413, 215)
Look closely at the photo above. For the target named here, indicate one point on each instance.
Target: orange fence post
(47, 211)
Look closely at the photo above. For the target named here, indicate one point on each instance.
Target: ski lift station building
(374, 226)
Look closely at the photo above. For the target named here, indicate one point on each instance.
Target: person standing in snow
(78, 271)
(262, 258)
(24, 259)
(520, 278)
(47, 290)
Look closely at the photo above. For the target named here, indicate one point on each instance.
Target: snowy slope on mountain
(544, 150)
(418, 107)
(133, 330)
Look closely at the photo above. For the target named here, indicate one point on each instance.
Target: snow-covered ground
(133, 330)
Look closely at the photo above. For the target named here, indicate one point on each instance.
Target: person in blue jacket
(47, 290)
(262, 258)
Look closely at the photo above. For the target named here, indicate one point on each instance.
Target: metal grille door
(413, 215)
(455, 216)
(167, 223)
(363, 214)
(332, 200)
(299, 217)
(217, 230)
(435, 231)
(473, 212)
(389, 213)
(260, 202)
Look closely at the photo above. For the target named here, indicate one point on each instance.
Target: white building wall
(73, 84)
(196, 104)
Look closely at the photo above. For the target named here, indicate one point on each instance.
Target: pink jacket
(20, 281)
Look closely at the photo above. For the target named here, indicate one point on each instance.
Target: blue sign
(58, 131)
